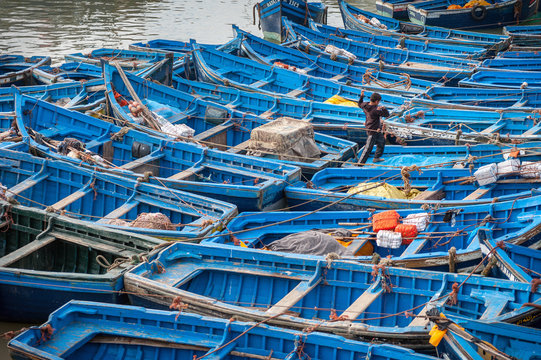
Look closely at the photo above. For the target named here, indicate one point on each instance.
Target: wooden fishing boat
(508, 79)
(519, 64)
(352, 16)
(476, 339)
(515, 262)
(469, 98)
(396, 9)
(74, 95)
(359, 189)
(71, 71)
(248, 182)
(458, 126)
(221, 68)
(456, 156)
(523, 35)
(521, 53)
(301, 291)
(86, 330)
(17, 69)
(462, 16)
(418, 64)
(47, 260)
(271, 12)
(448, 243)
(215, 125)
(371, 79)
(128, 59)
(162, 45)
(108, 200)
(442, 49)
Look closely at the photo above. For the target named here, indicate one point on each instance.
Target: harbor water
(60, 27)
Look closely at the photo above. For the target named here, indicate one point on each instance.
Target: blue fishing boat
(162, 45)
(477, 339)
(47, 260)
(512, 261)
(271, 12)
(442, 49)
(397, 9)
(219, 67)
(444, 242)
(357, 19)
(66, 72)
(456, 156)
(292, 59)
(213, 124)
(336, 296)
(128, 59)
(248, 182)
(458, 126)
(112, 201)
(17, 69)
(519, 64)
(419, 64)
(524, 35)
(521, 53)
(358, 189)
(508, 79)
(74, 95)
(504, 99)
(460, 15)
(85, 330)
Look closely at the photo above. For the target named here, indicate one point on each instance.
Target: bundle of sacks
(489, 174)
(391, 234)
(469, 4)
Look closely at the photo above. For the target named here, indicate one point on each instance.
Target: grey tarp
(313, 242)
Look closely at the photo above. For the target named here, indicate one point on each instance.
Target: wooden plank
(493, 128)
(212, 132)
(357, 245)
(240, 147)
(25, 185)
(183, 175)
(118, 212)
(59, 205)
(363, 302)
(108, 151)
(477, 194)
(26, 250)
(296, 92)
(532, 130)
(90, 244)
(338, 77)
(420, 321)
(267, 114)
(293, 297)
(430, 195)
(141, 161)
(414, 247)
(259, 83)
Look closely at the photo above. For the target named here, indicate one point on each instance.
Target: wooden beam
(25, 184)
(364, 301)
(59, 205)
(25, 250)
(141, 161)
(212, 132)
(293, 297)
(477, 194)
(118, 212)
(430, 195)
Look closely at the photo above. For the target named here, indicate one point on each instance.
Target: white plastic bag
(487, 174)
(420, 220)
(508, 167)
(389, 239)
(530, 169)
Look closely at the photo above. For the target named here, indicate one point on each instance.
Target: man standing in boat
(373, 126)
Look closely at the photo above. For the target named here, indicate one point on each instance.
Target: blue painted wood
(419, 64)
(351, 14)
(71, 71)
(455, 50)
(84, 330)
(521, 64)
(128, 59)
(247, 282)
(330, 186)
(206, 117)
(524, 35)
(397, 9)
(499, 13)
(258, 230)
(47, 260)
(271, 12)
(17, 69)
(91, 195)
(250, 183)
